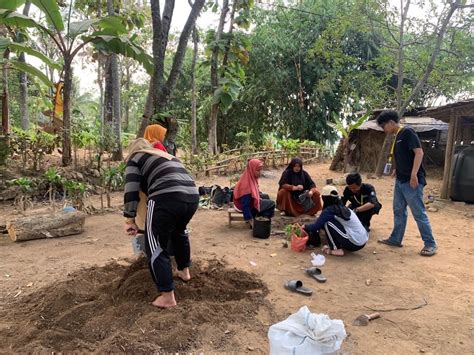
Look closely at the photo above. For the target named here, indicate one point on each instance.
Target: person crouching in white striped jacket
(343, 228)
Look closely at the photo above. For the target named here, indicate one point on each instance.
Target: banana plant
(346, 131)
(106, 34)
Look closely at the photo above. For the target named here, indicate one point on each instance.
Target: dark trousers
(337, 237)
(267, 208)
(165, 223)
(365, 217)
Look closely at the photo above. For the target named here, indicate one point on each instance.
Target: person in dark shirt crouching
(362, 198)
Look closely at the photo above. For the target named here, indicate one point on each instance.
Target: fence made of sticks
(237, 160)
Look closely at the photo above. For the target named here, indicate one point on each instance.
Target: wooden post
(448, 156)
(458, 136)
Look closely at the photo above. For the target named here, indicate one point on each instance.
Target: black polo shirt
(364, 195)
(406, 141)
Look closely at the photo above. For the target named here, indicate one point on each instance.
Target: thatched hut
(365, 143)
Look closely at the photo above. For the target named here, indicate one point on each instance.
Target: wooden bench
(235, 215)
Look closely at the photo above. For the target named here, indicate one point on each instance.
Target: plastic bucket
(262, 227)
(138, 244)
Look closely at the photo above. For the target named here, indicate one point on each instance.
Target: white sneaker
(283, 213)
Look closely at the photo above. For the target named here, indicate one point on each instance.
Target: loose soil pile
(107, 309)
(224, 310)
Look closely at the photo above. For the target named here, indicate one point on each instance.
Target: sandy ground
(399, 277)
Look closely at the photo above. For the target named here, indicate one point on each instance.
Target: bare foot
(328, 251)
(184, 274)
(337, 252)
(165, 300)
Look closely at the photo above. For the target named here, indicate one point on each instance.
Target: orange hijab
(248, 183)
(155, 133)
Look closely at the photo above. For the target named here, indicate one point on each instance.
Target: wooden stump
(53, 225)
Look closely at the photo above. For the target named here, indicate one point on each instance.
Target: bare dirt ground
(89, 293)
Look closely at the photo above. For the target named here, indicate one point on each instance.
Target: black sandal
(388, 242)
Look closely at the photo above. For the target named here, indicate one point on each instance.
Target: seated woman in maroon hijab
(295, 187)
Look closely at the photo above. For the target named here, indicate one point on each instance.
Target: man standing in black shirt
(410, 181)
(362, 198)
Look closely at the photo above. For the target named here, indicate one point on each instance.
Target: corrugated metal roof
(451, 105)
(419, 124)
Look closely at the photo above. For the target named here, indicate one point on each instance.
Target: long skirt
(286, 203)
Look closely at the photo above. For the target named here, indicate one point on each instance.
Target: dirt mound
(106, 309)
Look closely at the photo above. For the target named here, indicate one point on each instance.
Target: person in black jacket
(362, 198)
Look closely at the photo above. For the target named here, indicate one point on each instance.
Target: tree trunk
(67, 91)
(160, 41)
(108, 127)
(108, 101)
(126, 106)
(161, 27)
(22, 78)
(100, 80)
(159, 95)
(387, 143)
(5, 95)
(101, 95)
(179, 55)
(440, 32)
(55, 225)
(193, 94)
(116, 105)
(338, 156)
(347, 155)
(23, 99)
(225, 59)
(148, 110)
(212, 133)
(399, 91)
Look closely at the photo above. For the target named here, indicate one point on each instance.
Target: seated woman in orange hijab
(295, 186)
(247, 196)
(155, 134)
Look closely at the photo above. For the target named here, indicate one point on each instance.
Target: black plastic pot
(262, 227)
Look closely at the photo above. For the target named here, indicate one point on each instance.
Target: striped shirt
(159, 178)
